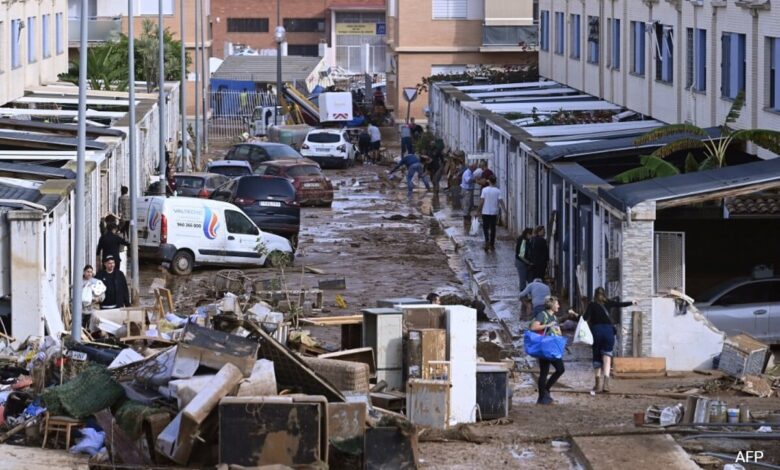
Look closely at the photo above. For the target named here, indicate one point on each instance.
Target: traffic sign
(410, 94)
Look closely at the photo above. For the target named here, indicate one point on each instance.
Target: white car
(331, 148)
(183, 232)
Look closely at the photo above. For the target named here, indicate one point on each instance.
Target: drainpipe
(161, 98)
(679, 60)
(134, 271)
(602, 48)
(650, 68)
(182, 94)
(753, 102)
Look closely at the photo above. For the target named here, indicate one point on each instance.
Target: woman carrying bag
(545, 342)
(597, 316)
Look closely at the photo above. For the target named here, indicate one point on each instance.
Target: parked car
(184, 232)
(230, 168)
(745, 305)
(268, 200)
(198, 184)
(312, 187)
(259, 152)
(331, 148)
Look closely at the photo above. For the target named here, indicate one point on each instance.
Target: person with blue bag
(545, 342)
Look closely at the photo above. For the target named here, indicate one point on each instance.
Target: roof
(761, 204)
(67, 129)
(36, 140)
(749, 177)
(11, 192)
(263, 68)
(43, 171)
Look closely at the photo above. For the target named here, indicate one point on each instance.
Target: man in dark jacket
(110, 243)
(539, 254)
(117, 293)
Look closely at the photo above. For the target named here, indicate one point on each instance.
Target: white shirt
(466, 181)
(491, 195)
(373, 131)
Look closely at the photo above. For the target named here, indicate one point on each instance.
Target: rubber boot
(606, 385)
(598, 388)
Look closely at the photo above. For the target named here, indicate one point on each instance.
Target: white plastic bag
(582, 334)
(475, 226)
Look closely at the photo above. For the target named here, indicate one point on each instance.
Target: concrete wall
(687, 341)
(27, 241)
(13, 81)
(668, 102)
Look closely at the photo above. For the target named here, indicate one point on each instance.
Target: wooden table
(351, 328)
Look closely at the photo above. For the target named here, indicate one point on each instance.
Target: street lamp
(279, 37)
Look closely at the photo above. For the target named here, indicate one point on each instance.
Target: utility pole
(204, 67)
(197, 84)
(279, 36)
(161, 86)
(135, 272)
(79, 238)
(182, 91)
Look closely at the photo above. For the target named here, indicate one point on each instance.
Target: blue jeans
(416, 169)
(603, 343)
(406, 145)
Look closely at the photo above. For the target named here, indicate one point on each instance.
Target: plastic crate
(742, 355)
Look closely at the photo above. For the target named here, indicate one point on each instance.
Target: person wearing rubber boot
(545, 322)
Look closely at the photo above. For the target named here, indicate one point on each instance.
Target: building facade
(34, 46)
(349, 33)
(429, 37)
(674, 60)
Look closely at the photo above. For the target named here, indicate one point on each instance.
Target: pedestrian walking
(539, 253)
(124, 211)
(546, 323)
(537, 290)
(93, 291)
(521, 256)
(183, 158)
(243, 101)
(467, 191)
(603, 330)
(490, 203)
(433, 298)
(406, 139)
(364, 143)
(436, 166)
(376, 140)
(110, 244)
(117, 294)
(413, 167)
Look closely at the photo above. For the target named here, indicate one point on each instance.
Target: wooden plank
(636, 334)
(333, 321)
(314, 270)
(635, 452)
(639, 364)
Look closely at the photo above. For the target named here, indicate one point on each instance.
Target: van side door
(242, 239)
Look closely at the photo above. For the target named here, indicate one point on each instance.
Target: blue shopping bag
(543, 346)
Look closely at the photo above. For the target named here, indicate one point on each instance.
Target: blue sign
(381, 29)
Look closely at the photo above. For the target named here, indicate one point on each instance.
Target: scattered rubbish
(756, 385)
(742, 355)
(332, 284)
(561, 446)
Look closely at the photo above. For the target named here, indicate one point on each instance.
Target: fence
(232, 112)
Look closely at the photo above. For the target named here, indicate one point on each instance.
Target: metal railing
(99, 29)
(510, 36)
(231, 112)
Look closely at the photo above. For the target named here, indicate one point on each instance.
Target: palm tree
(106, 68)
(693, 138)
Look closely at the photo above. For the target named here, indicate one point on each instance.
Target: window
(696, 59)
(304, 25)
(664, 53)
(247, 25)
(774, 73)
(593, 39)
(614, 52)
(16, 44)
(45, 26)
(638, 47)
(575, 36)
(58, 33)
(309, 50)
(30, 39)
(733, 67)
(544, 30)
(450, 9)
(149, 7)
(560, 34)
(239, 223)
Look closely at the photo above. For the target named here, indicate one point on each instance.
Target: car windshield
(281, 152)
(715, 292)
(323, 138)
(303, 170)
(193, 182)
(261, 188)
(230, 171)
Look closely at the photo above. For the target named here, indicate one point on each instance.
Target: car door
(257, 156)
(224, 192)
(242, 239)
(742, 309)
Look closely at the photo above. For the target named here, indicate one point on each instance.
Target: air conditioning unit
(757, 4)
(718, 3)
(696, 3)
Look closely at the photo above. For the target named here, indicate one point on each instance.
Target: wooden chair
(59, 423)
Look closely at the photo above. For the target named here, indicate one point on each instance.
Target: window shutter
(450, 9)
(725, 49)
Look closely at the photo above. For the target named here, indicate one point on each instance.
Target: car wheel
(183, 263)
(294, 242)
(277, 259)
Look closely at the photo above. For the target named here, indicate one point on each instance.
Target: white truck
(335, 106)
(262, 118)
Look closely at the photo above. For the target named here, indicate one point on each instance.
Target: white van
(183, 232)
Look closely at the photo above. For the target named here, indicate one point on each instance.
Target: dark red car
(312, 188)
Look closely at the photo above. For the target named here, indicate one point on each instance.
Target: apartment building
(108, 18)
(674, 60)
(349, 33)
(429, 37)
(33, 50)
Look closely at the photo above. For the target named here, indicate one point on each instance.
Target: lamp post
(161, 85)
(279, 37)
(133, 154)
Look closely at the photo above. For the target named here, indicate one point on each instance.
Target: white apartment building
(674, 60)
(33, 45)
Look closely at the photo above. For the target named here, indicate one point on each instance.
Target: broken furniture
(392, 401)
(346, 434)
(57, 424)
(428, 402)
(383, 332)
(400, 301)
(462, 354)
(212, 348)
(742, 355)
(286, 430)
(347, 376)
(493, 392)
(420, 348)
(638, 367)
(351, 328)
(364, 355)
(388, 447)
(297, 297)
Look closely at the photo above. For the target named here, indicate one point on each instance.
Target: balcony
(516, 38)
(99, 29)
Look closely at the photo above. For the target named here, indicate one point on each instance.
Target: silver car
(745, 305)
